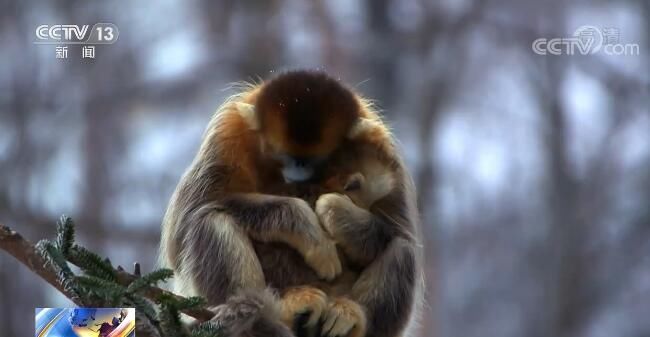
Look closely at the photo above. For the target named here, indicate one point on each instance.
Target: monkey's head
(302, 117)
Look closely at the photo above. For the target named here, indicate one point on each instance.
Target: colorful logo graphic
(84, 322)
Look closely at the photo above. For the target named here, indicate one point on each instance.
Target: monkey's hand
(359, 233)
(319, 251)
(336, 212)
(324, 259)
(303, 301)
(344, 318)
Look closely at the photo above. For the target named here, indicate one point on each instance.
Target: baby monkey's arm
(359, 223)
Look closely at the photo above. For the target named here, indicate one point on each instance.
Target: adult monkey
(289, 130)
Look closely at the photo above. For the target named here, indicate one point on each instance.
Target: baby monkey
(309, 304)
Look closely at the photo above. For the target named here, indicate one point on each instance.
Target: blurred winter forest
(533, 170)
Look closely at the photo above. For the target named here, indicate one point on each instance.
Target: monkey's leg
(216, 258)
(387, 289)
(219, 263)
(270, 328)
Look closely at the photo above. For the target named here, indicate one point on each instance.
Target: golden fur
(224, 213)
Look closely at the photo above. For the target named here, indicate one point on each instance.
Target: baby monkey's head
(354, 186)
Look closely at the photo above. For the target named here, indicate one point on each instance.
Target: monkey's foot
(242, 311)
(303, 300)
(344, 318)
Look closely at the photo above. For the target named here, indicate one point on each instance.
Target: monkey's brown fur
(329, 310)
(222, 209)
(305, 113)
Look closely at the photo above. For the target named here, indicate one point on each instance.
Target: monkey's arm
(207, 240)
(272, 218)
(388, 289)
(289, 220)
(363, 235)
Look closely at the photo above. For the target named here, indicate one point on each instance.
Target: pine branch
(91, 263)
(150, 280)
(26, 253)
(65, 234)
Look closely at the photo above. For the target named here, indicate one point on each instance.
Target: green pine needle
(142, 305)
(54, 258)
(170, 321)
(108, 291)
(64, 234)
(190, 303)
(150, 279)
(93, 264)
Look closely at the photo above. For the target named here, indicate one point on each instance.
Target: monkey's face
(298, 168)
(355, 187)
(301, 156)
